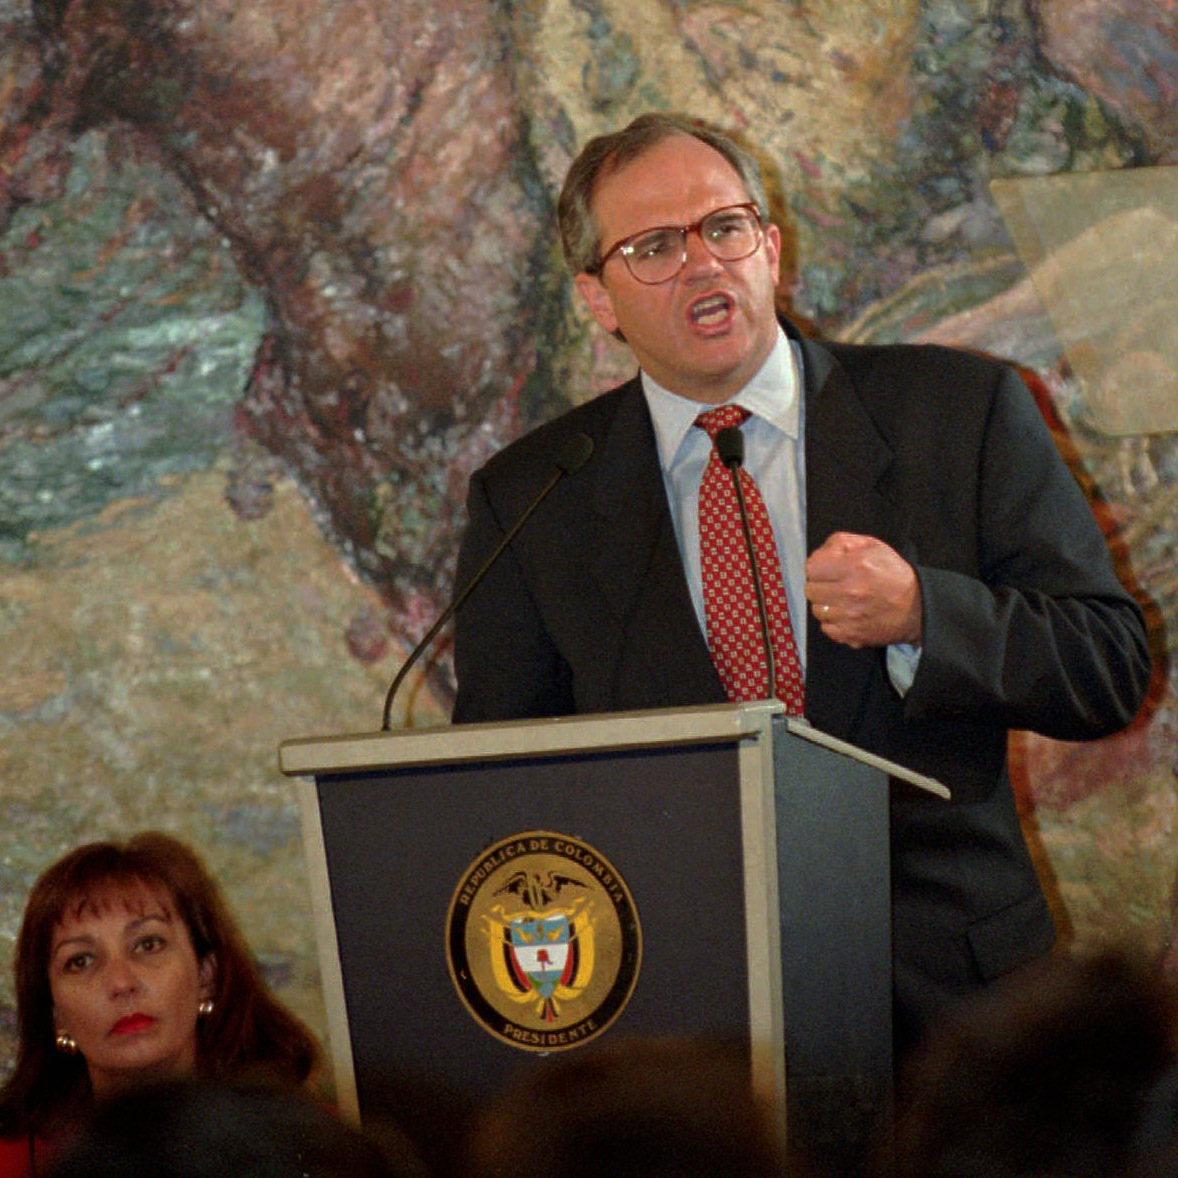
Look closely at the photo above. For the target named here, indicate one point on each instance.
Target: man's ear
(773, 250)
(597, 299)
(207, 975)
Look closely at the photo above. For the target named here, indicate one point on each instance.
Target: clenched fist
(863, 592)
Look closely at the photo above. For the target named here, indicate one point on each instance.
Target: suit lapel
(639, 571)
(847, 462)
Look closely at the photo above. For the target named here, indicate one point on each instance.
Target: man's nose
(700, 259)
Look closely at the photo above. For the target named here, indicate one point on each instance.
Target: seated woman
(129, 968)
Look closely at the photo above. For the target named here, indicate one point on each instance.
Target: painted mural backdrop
(274, 277)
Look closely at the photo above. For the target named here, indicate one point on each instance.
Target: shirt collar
(771, 395)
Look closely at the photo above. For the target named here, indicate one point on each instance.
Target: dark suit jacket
(939, 453)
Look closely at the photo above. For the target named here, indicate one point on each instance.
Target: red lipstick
(131, 1023)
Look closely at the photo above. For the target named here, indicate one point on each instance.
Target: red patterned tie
(730, 601)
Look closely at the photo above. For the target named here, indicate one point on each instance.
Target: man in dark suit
(944, 574)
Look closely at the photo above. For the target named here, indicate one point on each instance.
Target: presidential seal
(543, 941)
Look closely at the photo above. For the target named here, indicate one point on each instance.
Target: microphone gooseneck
(730, 447)
(569, 459)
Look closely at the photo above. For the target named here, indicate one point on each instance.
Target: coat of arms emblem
(543, 941)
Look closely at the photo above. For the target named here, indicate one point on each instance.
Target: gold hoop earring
(65, 1043)
(206, 1007)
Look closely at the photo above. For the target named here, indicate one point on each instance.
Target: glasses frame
(626, 246)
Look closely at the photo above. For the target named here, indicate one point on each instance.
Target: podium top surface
(358, 752)
(560, 734)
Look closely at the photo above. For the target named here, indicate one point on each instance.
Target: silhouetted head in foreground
(203, 1129)
(655, 1108)
(1055, 1072)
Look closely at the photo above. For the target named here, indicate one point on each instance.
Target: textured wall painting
(1099, 249)
(275, 277)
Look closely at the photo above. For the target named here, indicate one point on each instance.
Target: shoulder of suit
(907, 389)
(907, 356)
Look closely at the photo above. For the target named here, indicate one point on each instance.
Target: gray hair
(579, 237)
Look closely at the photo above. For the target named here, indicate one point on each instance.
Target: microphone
(730, 447)
(571, 456)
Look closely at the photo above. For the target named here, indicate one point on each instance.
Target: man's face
(704, 333)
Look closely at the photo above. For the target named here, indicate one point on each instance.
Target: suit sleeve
(1043, 637)
(505, 662)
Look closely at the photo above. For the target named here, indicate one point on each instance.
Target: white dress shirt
(773, 454)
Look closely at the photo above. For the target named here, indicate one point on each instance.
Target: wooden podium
(713, 872)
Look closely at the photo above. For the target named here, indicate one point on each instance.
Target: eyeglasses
(657, 255)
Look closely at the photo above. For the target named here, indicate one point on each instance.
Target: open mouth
(711, 311)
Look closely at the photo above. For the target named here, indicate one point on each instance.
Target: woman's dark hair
(249, 1033)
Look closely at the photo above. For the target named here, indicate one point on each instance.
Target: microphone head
(730, 447)
(574, 453)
